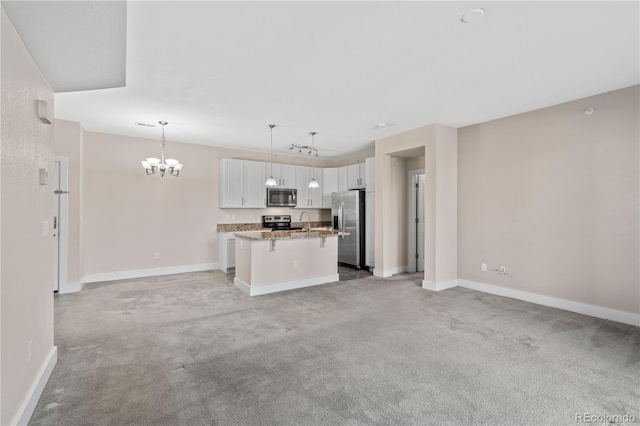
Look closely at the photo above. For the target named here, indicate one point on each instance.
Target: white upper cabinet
(302, 182)
(329, 186)
(370, 173)
(242, 183)
(343, 184)
(284, 174)
(308, 197)
(254, 190)
(315, 194)
(231, 183)
(356, 176)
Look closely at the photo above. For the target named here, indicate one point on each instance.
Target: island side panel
(243, 260)
(274, 267)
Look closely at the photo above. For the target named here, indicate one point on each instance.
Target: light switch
(45, 228)
(44, 177)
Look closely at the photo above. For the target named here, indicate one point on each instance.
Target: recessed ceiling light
(472, 16)
(382, 125)
(144, 124)
(589, 111)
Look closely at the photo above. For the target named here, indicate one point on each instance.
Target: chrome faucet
(308, 220)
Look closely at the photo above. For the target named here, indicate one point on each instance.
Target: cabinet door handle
(242, 201)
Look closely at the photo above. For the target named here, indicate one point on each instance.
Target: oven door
(281, 197)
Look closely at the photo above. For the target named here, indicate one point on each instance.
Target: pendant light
(313, 183)
(271, 181)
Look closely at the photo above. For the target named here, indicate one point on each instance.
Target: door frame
(411, 228)
(63, 224)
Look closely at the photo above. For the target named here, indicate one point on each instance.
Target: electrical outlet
(157, 257)
(29, 351)
(483, 267)
(502, 270)
(295, 264)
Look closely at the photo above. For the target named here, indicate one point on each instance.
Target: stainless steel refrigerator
(348, 215)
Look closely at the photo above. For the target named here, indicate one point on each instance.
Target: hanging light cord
(271, 126)
(313, 145)
(163, 123)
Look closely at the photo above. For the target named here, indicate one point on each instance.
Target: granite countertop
(238, 227)
(285, 235)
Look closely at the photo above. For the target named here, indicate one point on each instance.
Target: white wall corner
(430, 285)
(553, 302)
(381, 273)
(141, 273)
(71, 287)
(29, 405)
(386, 273)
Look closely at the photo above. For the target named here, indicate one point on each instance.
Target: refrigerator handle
(342, 218)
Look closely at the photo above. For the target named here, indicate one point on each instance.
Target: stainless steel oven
(282, 197)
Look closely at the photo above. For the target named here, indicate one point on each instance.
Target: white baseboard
(430, 285)
(567, 305)
(29, 404)
(71, 287)
(385, 273)
(290, 285)
(140, 273)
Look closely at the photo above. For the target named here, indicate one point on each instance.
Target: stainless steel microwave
(282, 197)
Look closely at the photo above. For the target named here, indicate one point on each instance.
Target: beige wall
(439, 144)
(129, 216)
(399, 211)
(359, 158)
(69, 143)
(553, 195)
(26, 290)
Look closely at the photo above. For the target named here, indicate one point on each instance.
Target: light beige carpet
(192, 349)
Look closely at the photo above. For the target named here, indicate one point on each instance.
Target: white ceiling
(78, 45)
(220, 72)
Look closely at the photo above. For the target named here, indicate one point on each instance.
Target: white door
(55, 180)
(420, 227)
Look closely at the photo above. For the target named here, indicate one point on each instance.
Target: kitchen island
(273, 261)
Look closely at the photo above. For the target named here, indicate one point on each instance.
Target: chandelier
(153, 165)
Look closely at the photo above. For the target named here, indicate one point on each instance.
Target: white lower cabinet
(231, 253)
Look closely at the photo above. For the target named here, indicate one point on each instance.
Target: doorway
(416, 221)
(60, 227)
